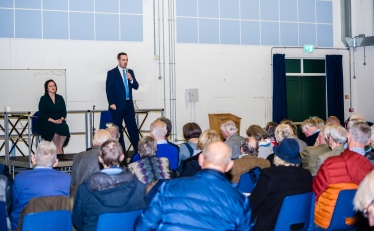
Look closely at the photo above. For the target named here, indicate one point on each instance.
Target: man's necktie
(126, 84)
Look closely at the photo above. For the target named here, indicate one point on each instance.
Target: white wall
(363, 98)
(230, 78)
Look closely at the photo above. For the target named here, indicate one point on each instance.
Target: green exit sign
(308, 48)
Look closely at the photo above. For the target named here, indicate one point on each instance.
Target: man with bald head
(212, 201)
(86, 163)
(247, 160)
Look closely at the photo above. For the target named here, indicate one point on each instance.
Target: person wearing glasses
(364, 198)
(335, 136)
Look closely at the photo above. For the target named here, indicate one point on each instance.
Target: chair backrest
(57, 220)
(296, 209)
(3, 222)
(105, 117)
(343, 209)
(34, 123)
(245, 183)
(118, 221)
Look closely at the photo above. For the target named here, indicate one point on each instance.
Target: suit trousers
(128, 115)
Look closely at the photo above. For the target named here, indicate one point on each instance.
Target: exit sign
(308, 48)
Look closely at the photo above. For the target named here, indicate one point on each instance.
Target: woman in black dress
(52, 114)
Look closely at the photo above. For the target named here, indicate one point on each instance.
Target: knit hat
(288, 150)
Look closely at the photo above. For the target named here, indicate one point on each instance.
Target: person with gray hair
(364, 198)
(232, 138)
(345, 171)
(310, 154)
(86, 163)
(248, 159)
(114, 131)
(164, 149)
(310, 128)
(228, 212)
(150, 167)
(336, 136)
(43, 180)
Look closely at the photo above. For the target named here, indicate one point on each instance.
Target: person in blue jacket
(206, 201)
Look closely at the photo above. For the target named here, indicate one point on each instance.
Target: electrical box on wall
(192, 95)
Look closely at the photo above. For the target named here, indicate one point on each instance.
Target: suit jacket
(84, 165)
(244, 164)
(321, 158)
(234, 143)
(310, 140)
(115, 88)
(310, 154)
(273, 186)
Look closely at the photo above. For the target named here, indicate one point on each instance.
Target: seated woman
(191, 132)
(278, 182)
(149, 168)
(52, 117)
(265, 146)
(281, 132)
(191, 165)
(270, 129)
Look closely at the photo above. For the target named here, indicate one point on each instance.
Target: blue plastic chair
(296, 209)
(118, 221)
(3, 224)
(57, 220)
(343, 209)
(245, 184)
(105, 117)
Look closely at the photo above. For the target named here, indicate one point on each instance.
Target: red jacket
(347, 167)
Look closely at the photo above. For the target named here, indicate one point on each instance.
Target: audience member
(191, 133)
(114, 132)
(332, 120)
(231, 136)
(86, 163)
(110, 191)
(169, 127)
(310, 154)
(212, 203)
(369, 153)
(248, 159)
(278, 182)
(310, 130)
(164, 148)
(281, 132)
(265, 146)
(302, 144)
(363, 200)
(319, 122)
(335, 136)
(270, 129)
(5, 196)
(345, 171)
(191, 165)
(149, 168)
(41, 181)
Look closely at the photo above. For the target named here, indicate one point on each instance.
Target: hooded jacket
(103, 193)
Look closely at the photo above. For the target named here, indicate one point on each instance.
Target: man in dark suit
(119, 84)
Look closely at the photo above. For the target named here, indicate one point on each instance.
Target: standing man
(119, 84)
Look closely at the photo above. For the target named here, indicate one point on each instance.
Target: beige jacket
(310, 154)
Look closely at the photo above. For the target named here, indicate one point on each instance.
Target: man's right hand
(113, 106)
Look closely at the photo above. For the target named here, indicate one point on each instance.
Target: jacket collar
(211, 173)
